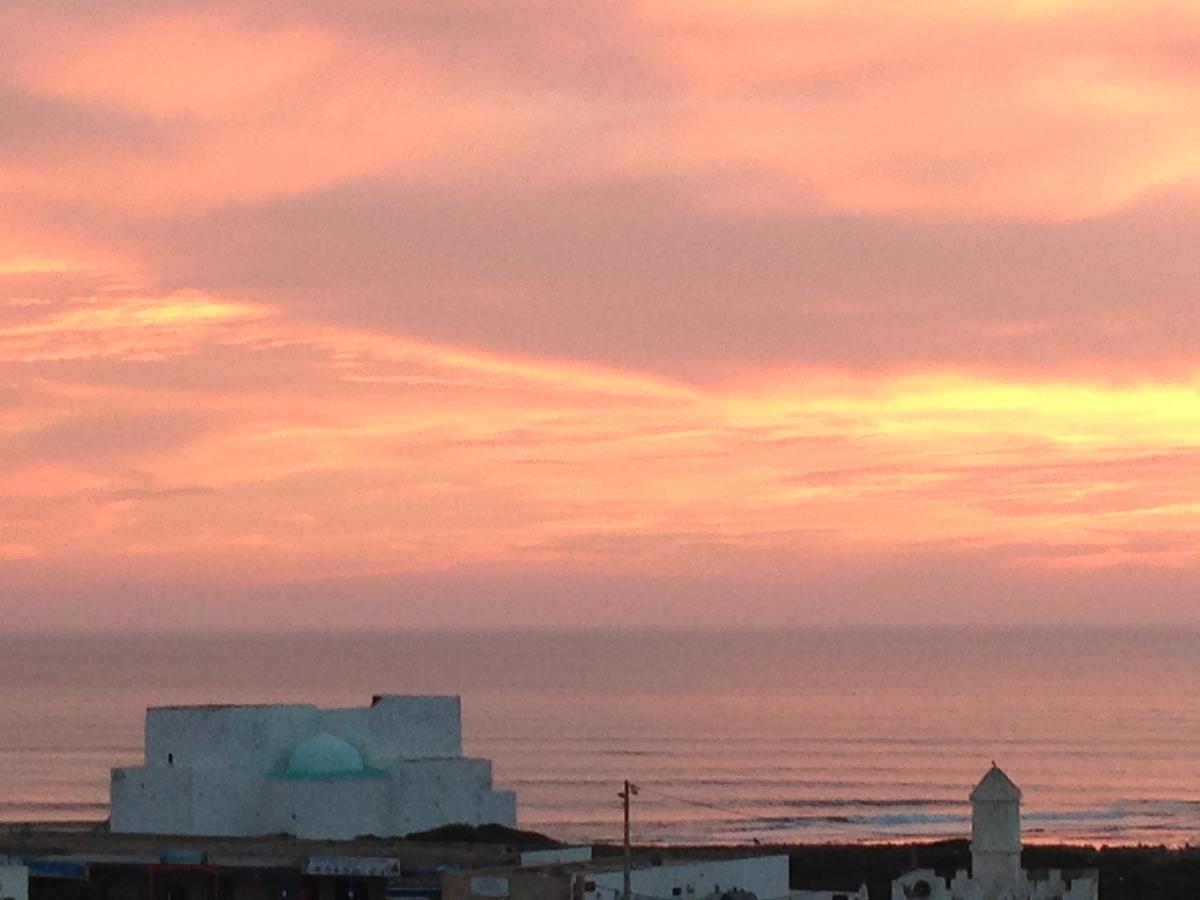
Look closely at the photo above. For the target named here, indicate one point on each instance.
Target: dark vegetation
(1126, 873)
(484, 834)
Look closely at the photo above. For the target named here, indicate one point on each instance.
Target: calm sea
(821, 735)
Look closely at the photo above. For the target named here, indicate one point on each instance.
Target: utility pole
(631, 790)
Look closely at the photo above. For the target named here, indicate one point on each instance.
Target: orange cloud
(1054, 111)
(184, 62)
(658, 291)
(197, 108)
(406, 456)
(134, 328)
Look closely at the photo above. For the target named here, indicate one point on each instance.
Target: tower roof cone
(995, 785)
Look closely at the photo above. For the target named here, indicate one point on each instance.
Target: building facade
(387, 769)
(741, 878)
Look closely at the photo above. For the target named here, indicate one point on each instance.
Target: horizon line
(714, 629)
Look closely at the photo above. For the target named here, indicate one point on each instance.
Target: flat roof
(95, 843)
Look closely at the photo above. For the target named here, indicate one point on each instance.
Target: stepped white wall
(224, 770)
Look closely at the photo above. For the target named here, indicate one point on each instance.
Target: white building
(388, 769)
(570, 876)
(764, 877)
(996, 872)
(996, 833)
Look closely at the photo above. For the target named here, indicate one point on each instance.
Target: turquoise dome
(325, 755)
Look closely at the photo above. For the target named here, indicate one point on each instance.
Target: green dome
(325, 755)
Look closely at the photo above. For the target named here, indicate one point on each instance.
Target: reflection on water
(803, 735)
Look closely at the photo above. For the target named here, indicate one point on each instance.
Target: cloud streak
(816, 302)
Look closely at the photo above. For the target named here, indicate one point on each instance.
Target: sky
(703, 313)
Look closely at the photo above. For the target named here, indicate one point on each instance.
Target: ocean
(805, 735)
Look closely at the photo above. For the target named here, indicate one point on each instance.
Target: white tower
(996, 835)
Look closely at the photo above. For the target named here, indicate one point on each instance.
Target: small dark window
(675, 892)
(589, 885)
(170, 759)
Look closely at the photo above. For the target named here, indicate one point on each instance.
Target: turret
(996, 834)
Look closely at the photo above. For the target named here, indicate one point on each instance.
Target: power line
(743, 813)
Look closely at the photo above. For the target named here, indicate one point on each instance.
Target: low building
(93, 864)
(996, 872)
(858, 893)
(99, 865)
(391, 768)
(761, 877)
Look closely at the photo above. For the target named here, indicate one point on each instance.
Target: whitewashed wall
(221, 770)
(14, 882)
(860, 894)
(764, 876)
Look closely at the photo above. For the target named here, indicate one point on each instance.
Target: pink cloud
(853, 300)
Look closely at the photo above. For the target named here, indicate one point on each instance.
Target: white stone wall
(909, 886)
(1055, 888)
(860, 894)
(340, 810)
(432, 791)
(416, 727)
(14, 882)
(996, 844)
(963, 887)
(393, 727)
(557, 856)
(152, 800)
(764, 876)
(222, 770)
(499, 806)
(228, 800)
(251, 736)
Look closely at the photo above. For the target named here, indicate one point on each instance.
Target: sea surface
(811, 735)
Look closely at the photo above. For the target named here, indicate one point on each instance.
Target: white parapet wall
(387, 769)
(557, 856)
(14, 882)
(764, 876)
(924, 884)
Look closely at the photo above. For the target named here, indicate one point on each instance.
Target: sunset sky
(689, 312)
